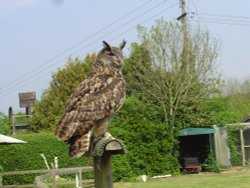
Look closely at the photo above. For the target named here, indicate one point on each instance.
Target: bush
(150, 145)
(4, 124)
(210, 164)
(233, 143)
(27, 156)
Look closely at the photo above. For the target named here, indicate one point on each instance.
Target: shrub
(150, 145)
(4, 124)
(233, 143)
(210, 164)
(27, 156)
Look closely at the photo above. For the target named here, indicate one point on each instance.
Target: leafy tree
(139, 58)
(222, 111)
(48, 111)
(238, 96)
(179, 90)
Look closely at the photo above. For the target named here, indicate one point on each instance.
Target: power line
(194, 5)
(74, 46)
(146, 20)
(17, 86)
(42, 75)
(225, 20)
(224, 23)
(224, 16)
(122, 25)
(86, 46)
(222, 19)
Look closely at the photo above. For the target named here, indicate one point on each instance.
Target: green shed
(199, 142)
(196, 142)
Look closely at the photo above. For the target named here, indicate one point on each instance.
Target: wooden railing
(51, 173)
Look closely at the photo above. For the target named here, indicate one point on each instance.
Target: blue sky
(37, 37)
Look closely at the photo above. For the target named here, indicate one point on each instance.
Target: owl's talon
(108, 135)
(94, 142)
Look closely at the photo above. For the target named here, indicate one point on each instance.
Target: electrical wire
(122, 25)
(223, 23)
(86, 46)
(15, 87)
(146, 20)
(33, 71)
(224, 16)
(221, 19)
(143, 22)
(195, 7)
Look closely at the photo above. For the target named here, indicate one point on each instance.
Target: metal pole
(242, 142)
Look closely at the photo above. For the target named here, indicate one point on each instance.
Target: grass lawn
(234, 178)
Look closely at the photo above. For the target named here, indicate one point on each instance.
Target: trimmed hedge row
(27, 156)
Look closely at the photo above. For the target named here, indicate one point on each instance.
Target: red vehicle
(191, 165)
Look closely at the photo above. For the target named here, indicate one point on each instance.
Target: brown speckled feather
(94, 102)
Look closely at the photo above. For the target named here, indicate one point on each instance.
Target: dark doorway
(195, 146)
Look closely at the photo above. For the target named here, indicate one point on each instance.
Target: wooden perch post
(102, 156)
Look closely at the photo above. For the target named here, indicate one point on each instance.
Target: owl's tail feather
(66, 126)
(79, 145)
(65, 131)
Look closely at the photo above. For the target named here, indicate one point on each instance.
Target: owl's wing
(95, 99)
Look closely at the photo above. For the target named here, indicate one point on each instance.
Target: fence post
(14, 125)
(103, 172)
(1, 180)
(54, 178)
(80, 178)
(102, 158)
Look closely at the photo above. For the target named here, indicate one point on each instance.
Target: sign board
(27, 99)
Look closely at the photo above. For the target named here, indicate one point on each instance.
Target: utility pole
(183, 19)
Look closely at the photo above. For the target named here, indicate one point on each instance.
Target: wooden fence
(51, 174)
(19, 122)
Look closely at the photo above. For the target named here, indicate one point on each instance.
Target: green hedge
(27, 156)
(151, 147)
(151, 144)
(4, 124)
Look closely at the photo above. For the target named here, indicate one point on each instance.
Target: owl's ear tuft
(106, 45)
(122, 44)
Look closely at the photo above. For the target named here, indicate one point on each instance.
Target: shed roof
(196, 131)
(9, 140)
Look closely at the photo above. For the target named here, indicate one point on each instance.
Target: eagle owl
(94, 102)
